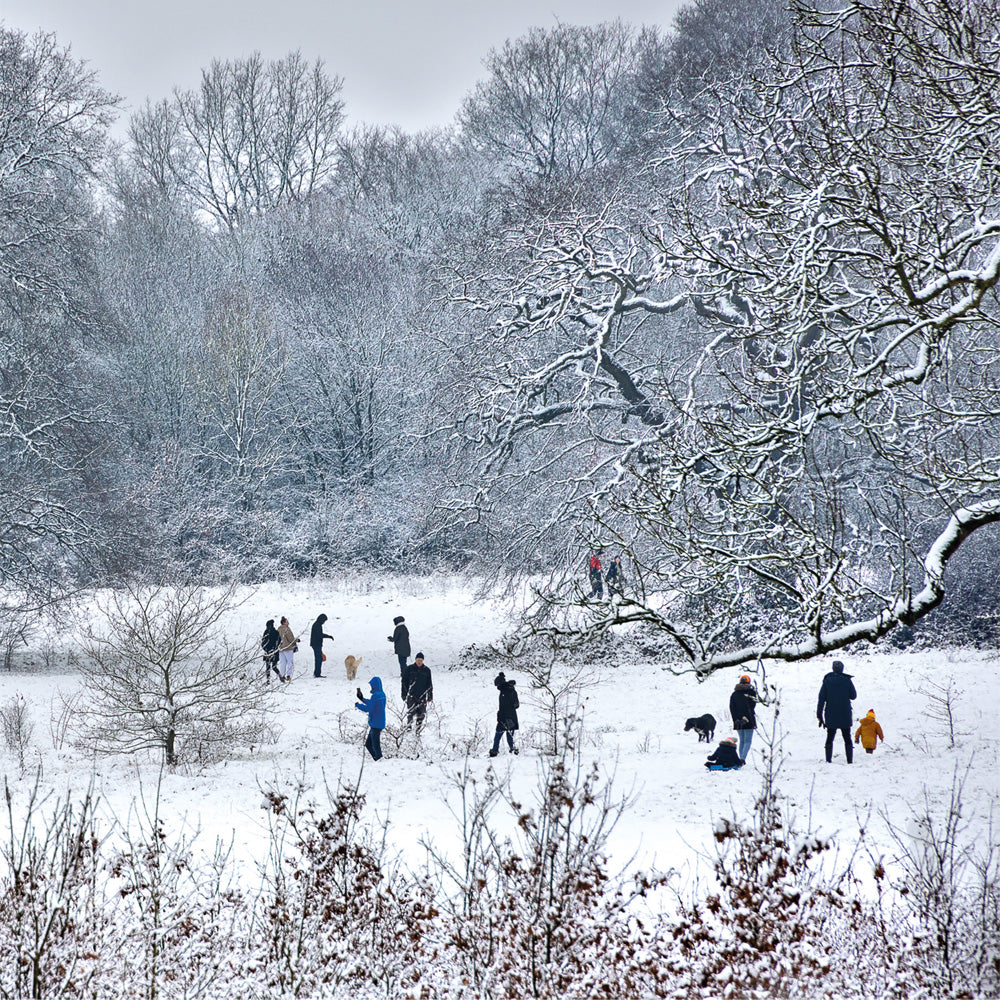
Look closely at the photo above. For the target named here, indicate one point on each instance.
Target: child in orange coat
(869, 732)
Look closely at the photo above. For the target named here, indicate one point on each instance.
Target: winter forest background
(718, 296)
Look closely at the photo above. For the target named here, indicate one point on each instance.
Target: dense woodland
(719, 296)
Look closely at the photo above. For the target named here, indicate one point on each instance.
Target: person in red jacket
(596, 576)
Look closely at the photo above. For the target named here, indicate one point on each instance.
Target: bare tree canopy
(552, 101)
(799, 475)
(254, 136)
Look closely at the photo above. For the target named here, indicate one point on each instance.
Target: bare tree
(552, 100)
(53, 122)
(255, 135)
(799, 476)
(237, 378)
(161, 675)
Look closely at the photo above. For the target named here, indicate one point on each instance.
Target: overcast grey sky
(403, 63)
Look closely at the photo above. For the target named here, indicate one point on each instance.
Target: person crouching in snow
(869, 732)
(375, 707)
(506, 713)
(725, 756)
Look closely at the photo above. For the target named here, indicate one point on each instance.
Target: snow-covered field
(634, 716)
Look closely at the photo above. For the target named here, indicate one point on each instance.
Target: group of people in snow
(614, 576)
(833, 708)
(833, 712)
(281, 644)
(416, 683)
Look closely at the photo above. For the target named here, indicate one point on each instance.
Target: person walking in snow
(615, 577)
(869, 732)
(742, 707)
(833, 709)
(596, 577)
(506, 714)
(400, 640)
(287, 649)
(417, 691)
(316, 637)
(270, 642)
(375, 707)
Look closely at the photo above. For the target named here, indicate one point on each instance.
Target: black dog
(704, 726)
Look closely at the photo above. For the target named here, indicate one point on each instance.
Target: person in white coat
(287, 649)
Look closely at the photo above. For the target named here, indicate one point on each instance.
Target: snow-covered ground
(634, 716)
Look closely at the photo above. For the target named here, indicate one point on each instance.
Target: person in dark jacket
(742, 707)
(417, 691)
(400, 640)
(615, 577)
(725, 756)
(506, 713)
(833, 709)
(375, 707)
(270, 642)
(316, 637)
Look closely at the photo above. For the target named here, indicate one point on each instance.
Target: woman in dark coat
(742, 707)
(270, 642)
(400, 640)
(833, 709)
(506, 714)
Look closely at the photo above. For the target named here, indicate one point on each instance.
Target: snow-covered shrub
(948, 901)
(55, 933)
(537, 913)
(765, 930)
(17, 727)
(336, 917)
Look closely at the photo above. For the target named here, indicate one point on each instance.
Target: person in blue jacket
(375, 707)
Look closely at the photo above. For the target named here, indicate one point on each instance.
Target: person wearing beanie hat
(506, 714)
(417, 690)
(742, 707)
(869, 732)
(400, 640)
(833, 709)
(725, 757)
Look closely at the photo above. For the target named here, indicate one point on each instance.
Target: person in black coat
(506, 713)
(725, 755)
(742, 707)
(316, 637)
(417, 691)
(400, 640)
(270, 642)
(833, 709)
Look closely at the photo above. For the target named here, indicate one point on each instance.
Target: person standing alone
(375, 707)
(316, 637)
(833, 709)
(742, 707)
(506, 713)
(400, 640)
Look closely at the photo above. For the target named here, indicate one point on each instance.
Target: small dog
(704, 726)
(351, 662)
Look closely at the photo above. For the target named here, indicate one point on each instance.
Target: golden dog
(351, 663)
